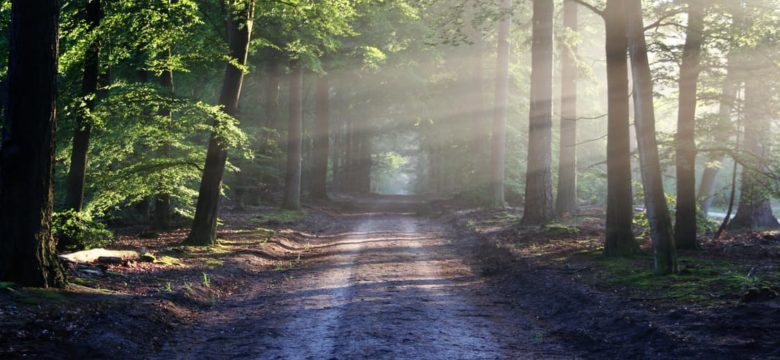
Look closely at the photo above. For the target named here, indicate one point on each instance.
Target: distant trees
(538, 188)
(27, 248)
(319, 181)
(755, 210)
(566, 200)
(292, 179)
(240, 17)
(498, 138)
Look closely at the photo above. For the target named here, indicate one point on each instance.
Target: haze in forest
(628, 145)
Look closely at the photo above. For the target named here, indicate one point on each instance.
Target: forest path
(391, 288)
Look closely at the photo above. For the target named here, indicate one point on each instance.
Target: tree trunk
(162, 202)
(364, 154)
(722, 133)
(74, 194)
(644, 118)
(204, 226)
(566, 203)
(292, 179)
(619, 238)
(685, 216)
(498, 141)
(272, 81)
(754, 210)
(481, 142)
(538, 186)
(27, 248)
(319, 181)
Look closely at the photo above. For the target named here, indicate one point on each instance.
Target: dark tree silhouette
(27, 248)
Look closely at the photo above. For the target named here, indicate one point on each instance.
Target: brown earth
(367, 280)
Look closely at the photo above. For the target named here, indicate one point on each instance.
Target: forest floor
(396, 277)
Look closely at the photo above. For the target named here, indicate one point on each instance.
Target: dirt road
(390, 288)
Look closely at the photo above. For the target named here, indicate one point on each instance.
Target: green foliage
(148, 142)
(6, 285)
(81, 229)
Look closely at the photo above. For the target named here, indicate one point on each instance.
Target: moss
(168, 261)
(5, 285)
(40, 296)
(699, 280)
(280, 217)
(214, 262)
(561, 230)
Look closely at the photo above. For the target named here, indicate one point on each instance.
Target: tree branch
(590, 7)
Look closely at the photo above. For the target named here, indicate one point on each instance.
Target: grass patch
(6, 285)
(280, 217)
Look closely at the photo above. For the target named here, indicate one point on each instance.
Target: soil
(366, 278)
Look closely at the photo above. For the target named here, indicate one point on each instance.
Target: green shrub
(82, 231)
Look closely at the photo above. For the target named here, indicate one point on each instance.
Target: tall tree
(27, 248)
(74, 195)
(239, 22)
(619, 240)
(292, 179)
(755, 210)
(538, 186)
(566, 202)
(685, 216)
(721, 134)
(162, 202)
(644, 120)
(498, 140)
(319, 181)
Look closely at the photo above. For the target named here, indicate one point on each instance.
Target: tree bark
(754, 210)
(685, 216)
(319, 181)
(27, 248)
(619, 238)
(162, 202)
(204, 226)
(566, 202)
(292, 180)
(272, 81)
(539, 208)
(722, 133)
(644, 118)
(74, 194)
(498, 140)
